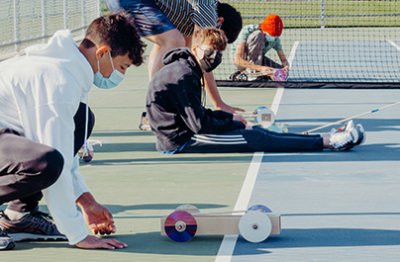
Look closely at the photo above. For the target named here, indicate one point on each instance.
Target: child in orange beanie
(254, 41)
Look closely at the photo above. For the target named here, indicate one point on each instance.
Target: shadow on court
(145, 243)
(115, 209)
(365, 152)
(342, 214)
(42, 245)
(206, 245)
(140, 243)
(126, 147)
(174, 160)
(322, 237)
(121, 133)
(370, 124)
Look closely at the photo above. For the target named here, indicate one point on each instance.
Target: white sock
(15, 215)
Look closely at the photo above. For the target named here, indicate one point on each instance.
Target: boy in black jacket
(183, 125)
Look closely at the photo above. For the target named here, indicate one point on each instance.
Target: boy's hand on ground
(92, 242)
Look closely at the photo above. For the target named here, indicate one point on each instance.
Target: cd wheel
(280, 75)
(180, 226)
(255, 225)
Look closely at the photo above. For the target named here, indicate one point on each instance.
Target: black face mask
(211, 60)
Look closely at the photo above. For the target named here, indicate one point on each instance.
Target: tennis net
(329, 43)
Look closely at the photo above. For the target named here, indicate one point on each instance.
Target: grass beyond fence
(332, 13)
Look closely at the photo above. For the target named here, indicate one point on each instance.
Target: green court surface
(140, 185)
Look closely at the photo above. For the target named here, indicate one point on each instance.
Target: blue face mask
(112, 81)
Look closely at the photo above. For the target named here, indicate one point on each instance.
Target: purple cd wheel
(180, 226)
(280, 75)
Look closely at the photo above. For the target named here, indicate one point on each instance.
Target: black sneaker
(34, 226)
(6, 242)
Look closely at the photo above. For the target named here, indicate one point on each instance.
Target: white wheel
(255, 226)
(265, 116)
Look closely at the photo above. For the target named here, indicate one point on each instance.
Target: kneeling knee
(53, 165)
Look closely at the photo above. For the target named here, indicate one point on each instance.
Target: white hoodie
(40, 93)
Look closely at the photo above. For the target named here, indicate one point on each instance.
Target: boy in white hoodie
(43, 122)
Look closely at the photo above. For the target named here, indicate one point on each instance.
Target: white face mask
(112, 81)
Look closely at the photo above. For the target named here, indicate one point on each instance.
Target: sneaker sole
(9, 246)
(361, 130)
(19, 237)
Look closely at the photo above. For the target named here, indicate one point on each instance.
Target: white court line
(394, 44)
(277, 99)
(292, 53)
(279, 92)
(229, 242)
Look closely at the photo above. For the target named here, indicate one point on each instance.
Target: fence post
(99, 6)
(65, 14)
(322, 17)
(43, 20)
(16, 26)
(83, 17)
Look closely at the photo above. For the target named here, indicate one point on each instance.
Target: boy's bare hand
(92, 242)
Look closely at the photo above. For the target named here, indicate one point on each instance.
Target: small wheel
(280, 75)
(265, 116)
(189, 208)
(242, 77)
(255, 226)
(238, 76)
(180, 226)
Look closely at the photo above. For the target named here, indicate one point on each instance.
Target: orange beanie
(272, 25)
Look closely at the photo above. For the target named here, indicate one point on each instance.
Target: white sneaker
(360, 129)
(347, 138)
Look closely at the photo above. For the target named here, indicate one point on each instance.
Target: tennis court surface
(333, 204)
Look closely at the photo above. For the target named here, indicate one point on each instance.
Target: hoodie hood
(61, 47)
(182, 53)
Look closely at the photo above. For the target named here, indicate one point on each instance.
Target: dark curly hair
(232, 23)
(117, 30)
